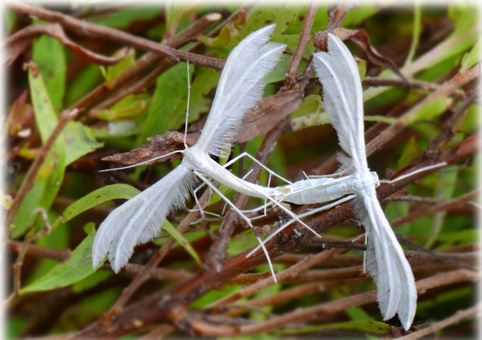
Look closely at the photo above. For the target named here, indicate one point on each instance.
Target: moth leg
(242, 215)
(245, 154)
(217, 191)
(308, 213)
(266, 254)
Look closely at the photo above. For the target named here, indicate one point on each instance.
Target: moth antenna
(430, 167)
(142, 163)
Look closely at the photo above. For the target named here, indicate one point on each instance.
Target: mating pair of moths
(240, 87)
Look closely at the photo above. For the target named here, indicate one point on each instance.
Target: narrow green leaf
(471, 58)
(87, 78)
(410, 152)
(176, 12)
(91, 281)
(129, 107)
(431, 109)
(111, 73)
(445, 190)
(79, 141)
(99, 196)
(125, 16)
(361, 326)
(77, 267)
(49, 56)
(417, 27)
(168, 106)
(382, 119)
(50, 175)
(181, 240)
(283, 15)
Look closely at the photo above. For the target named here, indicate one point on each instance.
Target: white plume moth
(386, 262)
(240, 87)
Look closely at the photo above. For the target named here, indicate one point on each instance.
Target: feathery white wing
(387, 263)
(342, 97)
(240, 88)
(140, 219)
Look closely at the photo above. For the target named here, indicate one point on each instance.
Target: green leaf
(360, 326)
(283, 15)
(410, 152)
(362, 67)
(111, 73)
(50, 174)
(79, 141)
(125, 16)
(470, 58)
(165, 112)
(90, 281)
(431, 109)
(181, 240)
(382, 119)
(128, 107)
(355, 16)
(99, 196)
(87, 78)
(176, 12)
(458, 238)
(77, 267)
(445, 190)
(49, 56)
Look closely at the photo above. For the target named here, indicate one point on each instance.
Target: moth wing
(387, 264)
(240, 87)
(342, 97)
(140, 219)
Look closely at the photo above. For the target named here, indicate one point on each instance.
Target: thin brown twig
(459, 316)
(65, 118)
(302, 43)
(301, 314)
(425, 211)
(146, 62)
(444, 90)
(179, 296)
(146, 80)
(96, 31)
(419, 84)
(158, 333)
(150, 267)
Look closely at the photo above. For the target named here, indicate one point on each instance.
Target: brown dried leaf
(268, 113)
(261, 119)
(21, 40)
(361, 38)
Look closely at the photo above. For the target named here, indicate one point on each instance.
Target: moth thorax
(361, 184)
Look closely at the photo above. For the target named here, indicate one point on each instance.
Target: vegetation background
(78, 92)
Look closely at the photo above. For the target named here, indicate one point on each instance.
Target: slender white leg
(245, 154)
(267, 258)
(284, 226)
(239, 212)
(217, 191)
